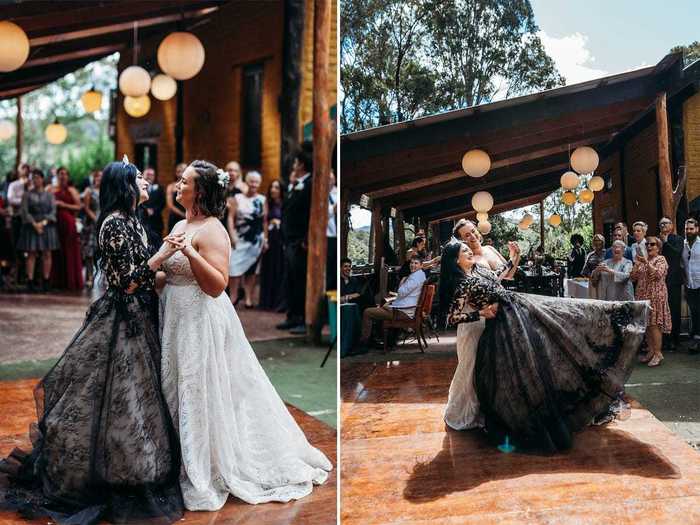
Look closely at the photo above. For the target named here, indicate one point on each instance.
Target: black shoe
(286, 325)
(299, 329)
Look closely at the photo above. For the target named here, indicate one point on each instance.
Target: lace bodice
(178, 271)
(478, 290)
(125, 252)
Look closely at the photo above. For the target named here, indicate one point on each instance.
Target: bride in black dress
(104, 446)
(545, 366)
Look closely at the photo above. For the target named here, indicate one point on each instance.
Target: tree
(691, 52)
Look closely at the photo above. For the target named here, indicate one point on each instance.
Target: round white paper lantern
(134, 81)
(56, 133)
(137, 106)
(181, 55)
(596, 183)
(482, 201)
(568, 198)
(555, 220)
(163, 87)
(586, 196)
(92, 100)
(484, 227)
(584, 159)
(569, 180)
(7, 129)
(482, 216)
(476, 163)
(14, 46)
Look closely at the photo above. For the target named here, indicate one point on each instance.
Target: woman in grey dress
(88, 236)
(612, 277)
(38, 233)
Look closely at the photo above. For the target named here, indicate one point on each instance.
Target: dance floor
(17, 409)
(401, 465)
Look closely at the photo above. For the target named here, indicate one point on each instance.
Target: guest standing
(639, 232)
(577, 257)
(650, 275)
(619, 235)
(612, 277)
(153, 209)
(272, 266)
(247, 228)
(88, 236)
(296, 210)
(596, 257)
(67, 271)
(235, 176)
(690, 262)
(38, 234)
(175, 210)
(672, 250)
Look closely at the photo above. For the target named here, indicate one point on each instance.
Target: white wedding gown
(237, 436)
(462, 410)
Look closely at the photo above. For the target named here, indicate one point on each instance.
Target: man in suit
(672, 250)
(153, 209)
(296, 210)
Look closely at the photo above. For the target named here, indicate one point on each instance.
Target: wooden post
(318, 220)
(19, 134)
(344, 214)
(378, 237)
(665, 177)
(542, 224)
(400, 235)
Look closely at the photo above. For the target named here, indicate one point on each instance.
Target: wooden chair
(423, 309)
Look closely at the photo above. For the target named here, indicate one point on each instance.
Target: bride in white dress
(236, 435)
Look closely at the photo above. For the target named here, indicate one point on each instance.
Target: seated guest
(350, 289)
(596, 257)
(417, 249)
(403, 305)
(619, 235)
(577, 257)
(639, 246)
(612, 276)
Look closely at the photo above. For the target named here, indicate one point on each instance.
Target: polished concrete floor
(400, 464)
(17, 412)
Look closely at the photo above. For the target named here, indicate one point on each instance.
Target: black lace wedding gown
(104, 446)
(547, 366)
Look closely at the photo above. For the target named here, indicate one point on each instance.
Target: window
(251, 130)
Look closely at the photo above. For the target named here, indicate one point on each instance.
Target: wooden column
(318, 220)
(378, 236)
(542, 224)
(344, 214)
(19, 134)
(665, 177)
(400, 236)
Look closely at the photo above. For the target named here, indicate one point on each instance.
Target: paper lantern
(528, 219)
(92, 100)
(7, 129)
(476, 163)
(14, 46)
(569, 181)
(522, 225)
(484, 227)
(584, 160)
(137, 106)
(482, 216)
(56, 133)
(586, 196)
(554, 220)
(134, 81)
(181, 55)
(568, 198)
(163, 87)
(596, 183)
(482, 201)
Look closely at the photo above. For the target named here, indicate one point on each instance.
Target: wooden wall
(691, 136)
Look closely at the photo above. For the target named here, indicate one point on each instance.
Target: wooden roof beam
(72, 55)
(500, 208)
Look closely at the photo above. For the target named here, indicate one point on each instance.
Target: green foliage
(401, 59)
(358, 246)
(691, 52)
(93, 156)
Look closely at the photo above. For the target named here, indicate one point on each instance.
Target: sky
(596, 38)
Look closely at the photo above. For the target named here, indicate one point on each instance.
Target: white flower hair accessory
(223, 177)
(125, 160)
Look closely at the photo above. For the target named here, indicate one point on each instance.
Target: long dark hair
(269, 191)
(118, 192)
(451, 274)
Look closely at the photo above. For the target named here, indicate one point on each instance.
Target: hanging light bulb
(163, 87)
(56, 133)
(584, 160)
(181, 55)
(14, 47)
(7, 129)
(137, 106)
(92, 100)
(476, 163)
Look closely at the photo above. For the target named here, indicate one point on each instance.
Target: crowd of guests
(48, 239)
(645, 267)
